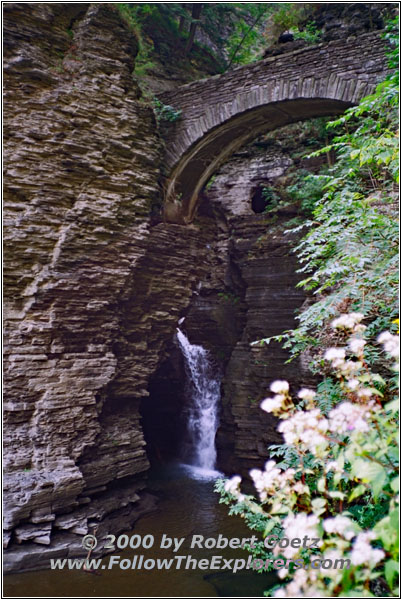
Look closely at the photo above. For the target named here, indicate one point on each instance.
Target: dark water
(188, 506)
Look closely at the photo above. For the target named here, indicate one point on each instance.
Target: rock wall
(87, 310)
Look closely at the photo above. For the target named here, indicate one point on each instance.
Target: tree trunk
(244, 38)
(183, 19)
(195, 15)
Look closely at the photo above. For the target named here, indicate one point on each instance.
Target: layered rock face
(80, 176)
(87, 311)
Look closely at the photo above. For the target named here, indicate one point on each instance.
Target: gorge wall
(96, 282)
(88, 310)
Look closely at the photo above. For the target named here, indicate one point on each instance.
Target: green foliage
(309, 34)
(246, 42)
(255, 24)
(287, 16)
(133, 14)
(272, 199)
(236, 31)
(351, 260)
(294, 17)
(163, 32)
(367, 514)
(392, 37)
(228, 297)
(165, 112)
(350, 254)
(338, 477)
(329, 393)
(210, 182)
(307, 190)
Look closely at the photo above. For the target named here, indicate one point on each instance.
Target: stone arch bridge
(223, 112)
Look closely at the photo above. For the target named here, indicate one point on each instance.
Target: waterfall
(204, 392)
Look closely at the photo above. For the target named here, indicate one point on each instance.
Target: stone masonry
(221, 113)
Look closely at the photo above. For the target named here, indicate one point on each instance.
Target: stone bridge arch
(223, 112)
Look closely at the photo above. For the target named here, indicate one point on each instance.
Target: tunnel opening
(263, 198)
(258, 200)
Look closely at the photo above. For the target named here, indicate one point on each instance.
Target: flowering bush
(344, 466)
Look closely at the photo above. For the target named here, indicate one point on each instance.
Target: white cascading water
(202, 421)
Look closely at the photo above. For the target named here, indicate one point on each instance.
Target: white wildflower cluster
(271, 480)
(278, 403)
(309, 431)
(349, 368)
(356, 345)
(348, 416)
(298, 526)
(300, 488)
(349, 321)
(232, 485)
(363, 553)
(340, 525)
(306, 394)
(336, 356)
(279, 387)
(350, 371)
(273, 405)
(306, 429)
(390, 343)
(334, 555)
(332, 465)
(365, 393)
(301, 586)
(353, 384)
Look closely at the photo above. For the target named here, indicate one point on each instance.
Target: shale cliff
(82, 269)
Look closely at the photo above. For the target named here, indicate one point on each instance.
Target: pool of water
(188, 506)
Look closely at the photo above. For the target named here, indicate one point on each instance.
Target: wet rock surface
(64, 544)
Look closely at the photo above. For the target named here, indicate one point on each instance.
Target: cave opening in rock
(258, 199)
(162, 412)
